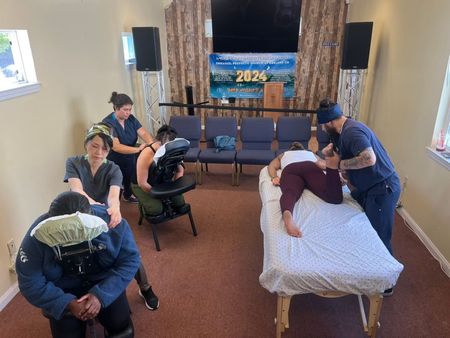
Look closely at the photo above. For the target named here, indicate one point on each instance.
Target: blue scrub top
(128, 135)
(354, 138)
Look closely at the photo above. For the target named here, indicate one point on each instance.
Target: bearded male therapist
(371, 174)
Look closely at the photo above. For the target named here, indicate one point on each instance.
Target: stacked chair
(290, 129)
(256, 138)
(218, 126)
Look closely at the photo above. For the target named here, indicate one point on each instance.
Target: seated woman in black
(141, 188)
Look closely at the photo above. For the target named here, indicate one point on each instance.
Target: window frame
(128, 49)
(23, 60)
(442, 124)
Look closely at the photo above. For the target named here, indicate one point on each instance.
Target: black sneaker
(388, 292)
(131, 199)
(151, 301)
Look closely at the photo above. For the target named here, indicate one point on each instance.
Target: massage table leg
(283, 303)
(282, 319)
(374, 314)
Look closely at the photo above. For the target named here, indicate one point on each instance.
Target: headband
(97, 129)
(327, 114)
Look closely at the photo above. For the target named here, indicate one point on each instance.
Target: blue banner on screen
(243, 75)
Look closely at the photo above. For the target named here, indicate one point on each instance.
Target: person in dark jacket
(69, 296)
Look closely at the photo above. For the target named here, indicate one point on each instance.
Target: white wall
(408, 60)
(78, 58)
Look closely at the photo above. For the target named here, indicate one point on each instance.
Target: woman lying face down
(302, 169)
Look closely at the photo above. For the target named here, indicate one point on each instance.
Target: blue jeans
(379, 203)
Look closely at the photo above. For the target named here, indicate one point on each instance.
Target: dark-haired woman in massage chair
(153, 206)
(75, 268)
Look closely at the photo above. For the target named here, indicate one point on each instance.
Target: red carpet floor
(208, 285)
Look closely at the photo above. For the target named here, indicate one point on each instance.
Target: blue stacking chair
(290, 129)
(190, 128)
(217, 126)
(256, 138)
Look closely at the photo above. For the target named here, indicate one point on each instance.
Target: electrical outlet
(11, 248)
(12, 255)
(12, 268)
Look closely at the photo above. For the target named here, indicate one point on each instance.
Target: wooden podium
(273, 98)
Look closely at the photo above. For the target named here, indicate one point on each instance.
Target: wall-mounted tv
(255, 26)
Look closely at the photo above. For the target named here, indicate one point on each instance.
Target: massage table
(339, 253)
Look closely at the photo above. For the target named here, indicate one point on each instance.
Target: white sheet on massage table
(339, 249)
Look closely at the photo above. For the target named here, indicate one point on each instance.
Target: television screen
(255, 26)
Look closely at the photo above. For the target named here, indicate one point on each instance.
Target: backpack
(224, 142)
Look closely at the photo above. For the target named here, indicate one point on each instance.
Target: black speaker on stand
(356, 48)
(147, 49)
(355, 59)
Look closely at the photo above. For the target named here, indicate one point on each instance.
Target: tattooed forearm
(366, 158)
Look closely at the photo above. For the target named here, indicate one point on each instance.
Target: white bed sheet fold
(339, 249)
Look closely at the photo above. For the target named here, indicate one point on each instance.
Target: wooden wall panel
(318, 59)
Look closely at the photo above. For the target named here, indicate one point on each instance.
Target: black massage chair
(161, 175)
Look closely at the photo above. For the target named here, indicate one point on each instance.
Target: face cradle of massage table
(339, 253)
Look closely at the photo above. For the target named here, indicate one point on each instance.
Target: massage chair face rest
(163, 169)
(78, 259)
(166, 164)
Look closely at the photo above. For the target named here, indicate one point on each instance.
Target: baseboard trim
(9, 295)
(445, 265)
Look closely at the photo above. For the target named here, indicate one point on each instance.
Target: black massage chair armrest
(170, 189)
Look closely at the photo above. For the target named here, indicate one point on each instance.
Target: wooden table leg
(282, 319)
(374, 314)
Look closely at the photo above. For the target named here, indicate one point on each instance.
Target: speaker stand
(351, 90)
(153, 86)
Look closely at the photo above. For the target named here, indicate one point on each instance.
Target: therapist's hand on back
(142, 147)
(115, 216)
